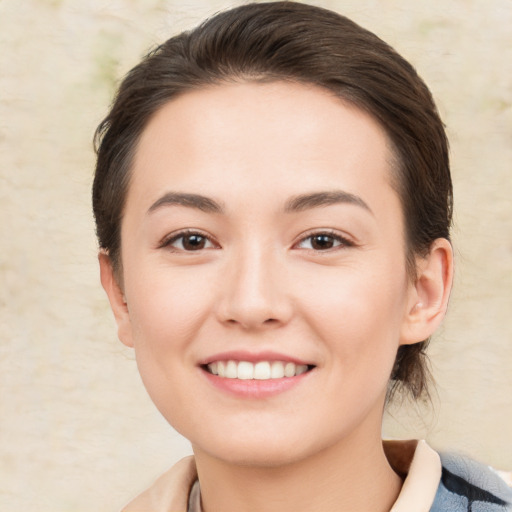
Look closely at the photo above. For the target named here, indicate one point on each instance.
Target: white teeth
(245, 370)
(231, 370)
(277, 370)
(262, 370)
(289, 370)
(301, 368)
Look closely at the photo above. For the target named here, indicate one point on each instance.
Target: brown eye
(324, 242)
(194, 242)
(188, 242)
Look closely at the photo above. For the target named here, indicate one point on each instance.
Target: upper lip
(252, 357)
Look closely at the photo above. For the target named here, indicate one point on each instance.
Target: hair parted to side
(305, 44)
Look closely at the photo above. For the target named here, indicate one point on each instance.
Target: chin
(250, 455)
(262, 448)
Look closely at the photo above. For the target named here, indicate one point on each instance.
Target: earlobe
(430, 292)
(116, 298)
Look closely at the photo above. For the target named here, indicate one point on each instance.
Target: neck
(351, 476)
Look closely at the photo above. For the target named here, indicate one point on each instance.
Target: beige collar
(423, 475)
(415, 461)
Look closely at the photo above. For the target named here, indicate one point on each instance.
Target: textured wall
(77, 431)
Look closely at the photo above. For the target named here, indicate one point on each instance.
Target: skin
(260, 282)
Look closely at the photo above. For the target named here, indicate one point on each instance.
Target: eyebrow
(295, 204)
(197, 201)
(319, 199)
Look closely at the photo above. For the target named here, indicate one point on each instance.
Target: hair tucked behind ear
(306, 44)
(411, 370)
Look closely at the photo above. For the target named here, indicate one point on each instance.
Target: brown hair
(301, 43)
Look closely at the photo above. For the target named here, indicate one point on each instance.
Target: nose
(254, 294)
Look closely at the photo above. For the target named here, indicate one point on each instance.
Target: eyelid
(170, 238)
(345, 240)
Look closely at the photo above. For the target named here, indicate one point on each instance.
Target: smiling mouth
(262, 370)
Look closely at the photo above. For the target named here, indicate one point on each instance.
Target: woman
(273, 203)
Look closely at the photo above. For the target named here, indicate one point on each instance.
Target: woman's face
(262, 237)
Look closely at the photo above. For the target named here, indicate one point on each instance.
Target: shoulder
(469, 486)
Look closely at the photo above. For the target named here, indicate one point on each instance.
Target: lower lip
(255, 388)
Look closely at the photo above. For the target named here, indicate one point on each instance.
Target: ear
(429, 294)
(116, 298)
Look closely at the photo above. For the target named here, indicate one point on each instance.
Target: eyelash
(171, 239)
(343, 242)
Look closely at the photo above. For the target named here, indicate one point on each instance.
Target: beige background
(77, 431)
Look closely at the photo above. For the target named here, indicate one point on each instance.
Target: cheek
(166, 309)
(166, 315)
(359, 312)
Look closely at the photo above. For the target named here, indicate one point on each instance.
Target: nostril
(268, 321)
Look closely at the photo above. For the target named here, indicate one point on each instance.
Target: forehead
(255, 136)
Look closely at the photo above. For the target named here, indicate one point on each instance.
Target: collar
(178, 489)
